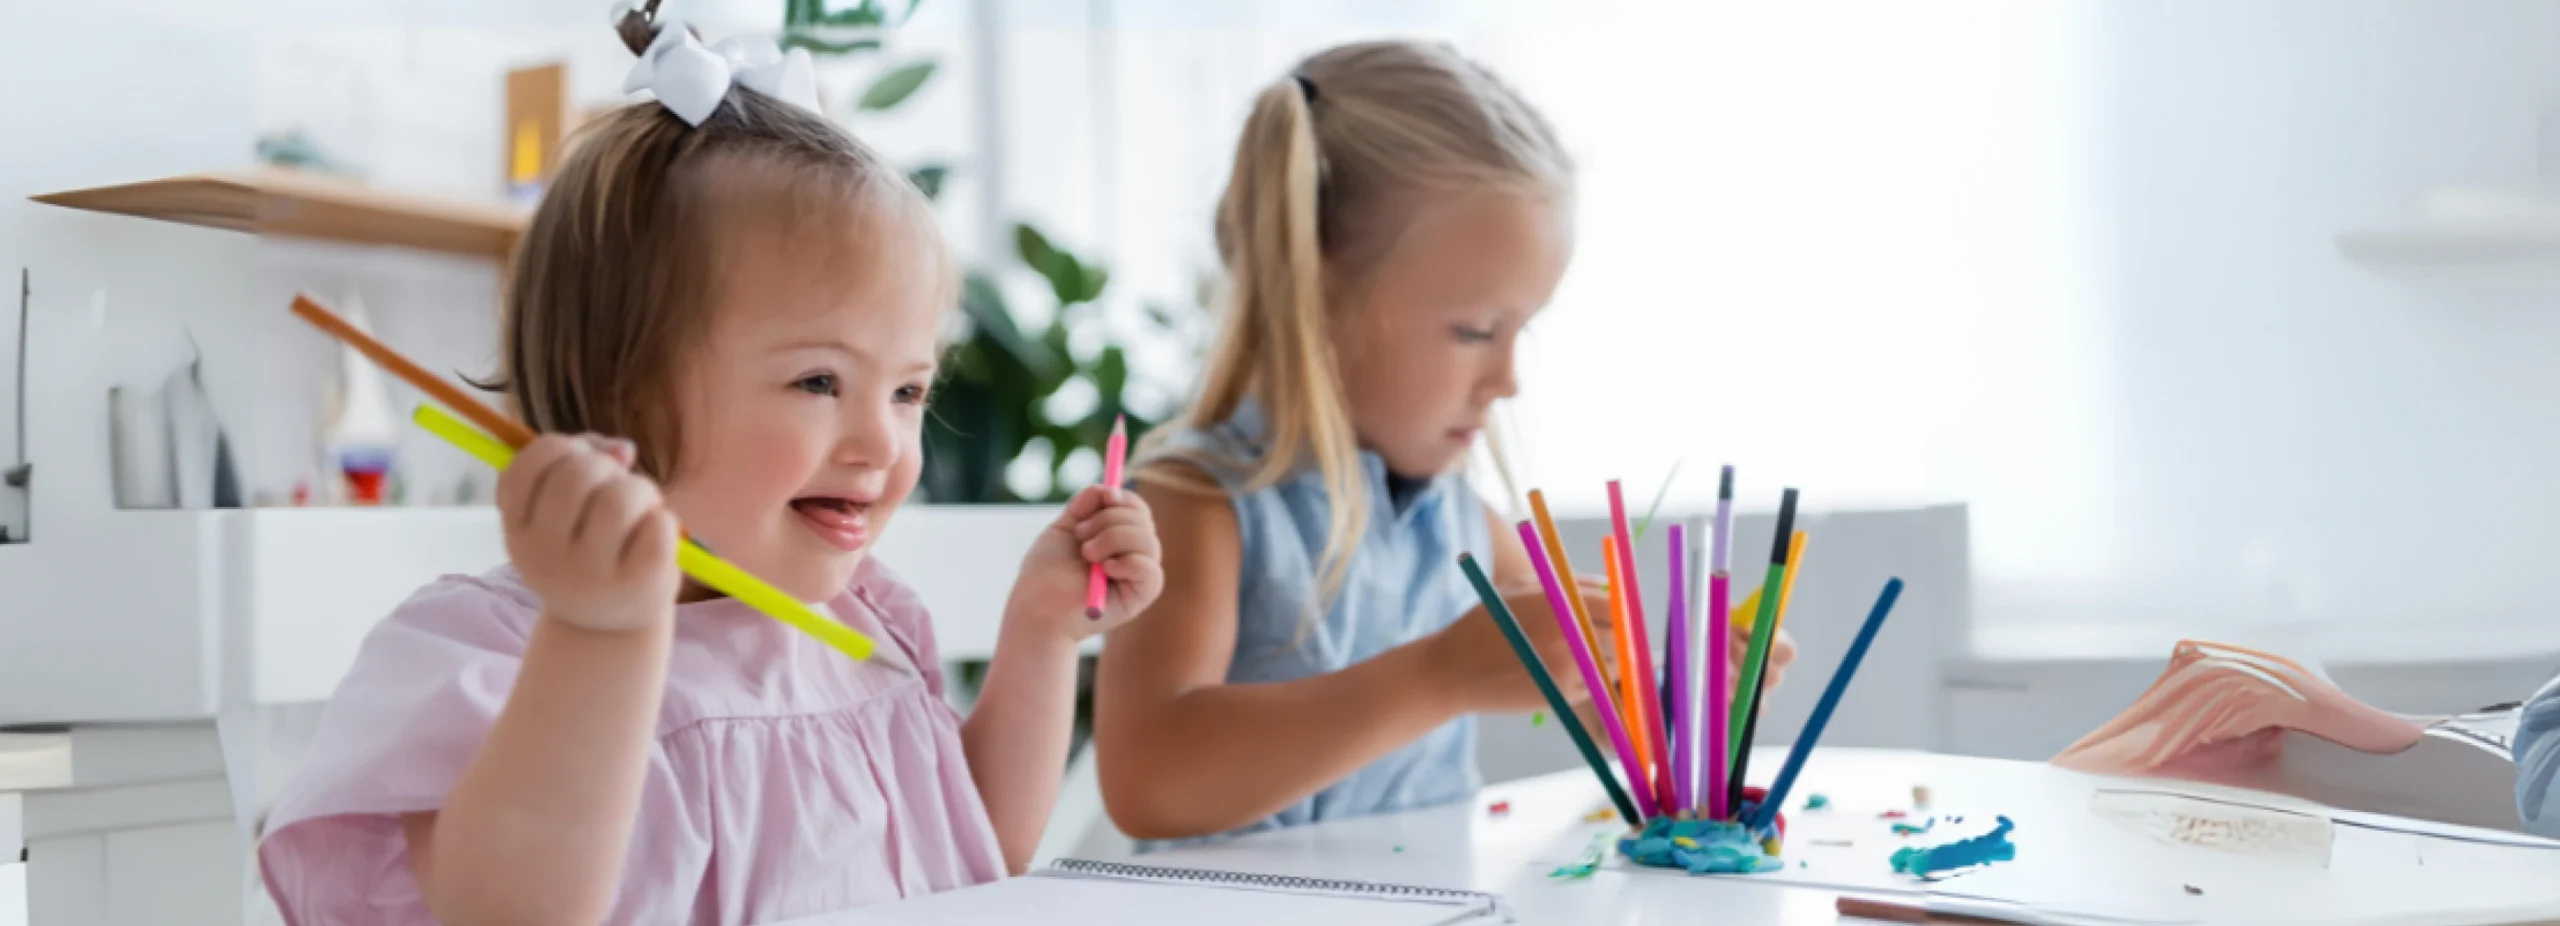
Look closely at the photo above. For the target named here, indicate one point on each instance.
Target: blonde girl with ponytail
(1396, 215)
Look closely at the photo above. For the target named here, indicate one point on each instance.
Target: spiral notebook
(1073, 892)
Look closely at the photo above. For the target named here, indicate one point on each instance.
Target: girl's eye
(911, 394)
(816, 384)
(1471, 335)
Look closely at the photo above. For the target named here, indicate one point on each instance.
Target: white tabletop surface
(2069, 856)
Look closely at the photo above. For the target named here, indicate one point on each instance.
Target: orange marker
(1630, 697)
(1564, 574)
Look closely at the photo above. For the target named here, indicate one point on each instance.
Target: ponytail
(1276, 339)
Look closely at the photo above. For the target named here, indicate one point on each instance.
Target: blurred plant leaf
(1094, 279)
(1110, 376)
(1034, 248)
(928, 179)
(807, 25)
(1658, 496)
(807, 14)
(1072, 281)
(818, 47)
(894, 87)
(984, 303)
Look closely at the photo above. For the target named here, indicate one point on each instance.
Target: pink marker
(1114, 456)
(1719, 634)
(1648, 706)
(1683, 719)
(1592, 680)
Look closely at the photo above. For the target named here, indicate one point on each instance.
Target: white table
(2064, 847)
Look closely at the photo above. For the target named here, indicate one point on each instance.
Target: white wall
(2311, 440)
(2070, 262)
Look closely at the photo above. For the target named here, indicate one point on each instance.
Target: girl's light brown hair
(619, 266)
(1335, 160)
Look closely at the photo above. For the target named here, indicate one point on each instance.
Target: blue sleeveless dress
(1402, 583)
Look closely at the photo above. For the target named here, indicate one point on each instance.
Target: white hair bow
(690, 79)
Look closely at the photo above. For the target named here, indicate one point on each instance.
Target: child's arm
(1183, 753)
(536, 829)
(1017, 736)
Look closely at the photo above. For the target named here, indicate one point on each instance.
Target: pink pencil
(1684, 724)
(1648, 707)
(1719, 631)
(1114, 456)
(1591, 677)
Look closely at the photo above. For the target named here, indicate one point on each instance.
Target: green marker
(1755, 660)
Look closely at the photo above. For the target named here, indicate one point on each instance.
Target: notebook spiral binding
(1271, 882)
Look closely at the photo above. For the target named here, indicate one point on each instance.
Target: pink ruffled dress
(786, 780)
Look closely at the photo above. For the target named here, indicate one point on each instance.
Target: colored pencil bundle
(1683, 741)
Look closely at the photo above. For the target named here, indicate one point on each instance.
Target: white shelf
(274, 201)
(269, 606)
(2456, 244)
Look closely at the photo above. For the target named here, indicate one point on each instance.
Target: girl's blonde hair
(1335, 160)
(618, 268)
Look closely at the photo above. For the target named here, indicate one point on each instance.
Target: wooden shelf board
(271, 201)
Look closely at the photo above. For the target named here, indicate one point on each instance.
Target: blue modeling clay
(1905, 829)
(1817, 802)
(1927, 862)
(1699, 846)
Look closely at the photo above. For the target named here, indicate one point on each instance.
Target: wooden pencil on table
(1902, 912)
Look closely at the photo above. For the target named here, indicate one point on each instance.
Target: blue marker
(1767, 812)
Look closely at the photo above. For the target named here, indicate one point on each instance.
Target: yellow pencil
(1748, 613)
(713, 572)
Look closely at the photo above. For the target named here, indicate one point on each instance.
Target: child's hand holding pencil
(1782, 653)
(1473, 660)
(1106, 527)
(589, 536)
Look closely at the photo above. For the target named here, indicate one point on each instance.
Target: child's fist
(589, 536)
(1103, 524)
(1782, 653)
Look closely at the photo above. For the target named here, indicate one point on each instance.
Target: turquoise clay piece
(1699, 846)
(1905, 829)
(1586, 863)
(1817, 802)
(1930, 861)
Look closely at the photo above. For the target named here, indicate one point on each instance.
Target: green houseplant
(993, 406)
